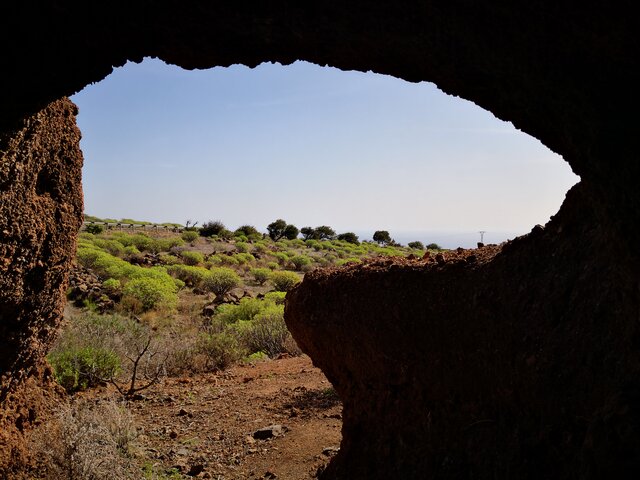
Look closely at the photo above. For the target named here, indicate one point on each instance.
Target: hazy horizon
(313, 145)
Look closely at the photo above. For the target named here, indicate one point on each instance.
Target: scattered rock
(269, 432)
(195, 470)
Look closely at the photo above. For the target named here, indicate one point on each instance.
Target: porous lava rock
(522, 363)
(482, 367)
(40, 214)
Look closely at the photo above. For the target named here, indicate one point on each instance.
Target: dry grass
(86, 441)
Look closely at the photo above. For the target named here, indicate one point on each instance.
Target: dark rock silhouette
(522, 363)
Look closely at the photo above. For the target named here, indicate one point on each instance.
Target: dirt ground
(203, 425)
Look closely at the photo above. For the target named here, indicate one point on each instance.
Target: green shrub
(77, 368)
(275, 297)
(261, 275)
(212, 228)
(300, 261)
(247, 231)
(152, 292)
(345, 261)
(434, 246)
(272, 265)
(221, 280)
(245, 311)
(416, 245)
(282, 257)
(349, 237)
(266, 333)
(243, 258)
(112, 285)
(191, 258)
(284, 281)
(94, 229)
(227, 259)
(170, 260)
(192, 276)
(189, 236)
(219, 349)
(242, 247)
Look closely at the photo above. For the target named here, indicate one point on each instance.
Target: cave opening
(135, 181)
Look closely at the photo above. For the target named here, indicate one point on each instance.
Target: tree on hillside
(349, 237)
(416, 245)
(246, 230)
(276, 229)
(324, 232)
(382, 237)
(308, 233)
(291, 232)
(212, 228)
(434, 246)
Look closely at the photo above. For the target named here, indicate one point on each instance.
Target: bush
(282, 257)
(94, 229)
(349, 237)
(151, 293)
(77, 368)
(382, 237)
(247, 231)
(212, 228)
(261, 275)
(242, 247)
(266, 333)
(112, 285)
(86, 441)
(221, 280)
(243, 258)
(300, 261)
(416, 245)
(284, 281)
(272, 265)
(434, 246)
(191, 258)
(189, 236)
(192, 276)
(219, 349)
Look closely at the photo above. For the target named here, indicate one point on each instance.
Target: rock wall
(522, 361)
(40, 214)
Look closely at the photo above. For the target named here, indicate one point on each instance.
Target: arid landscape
(203, 379)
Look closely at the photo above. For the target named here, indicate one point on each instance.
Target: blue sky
(313, 145)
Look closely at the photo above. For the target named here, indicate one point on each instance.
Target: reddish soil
(207, 421)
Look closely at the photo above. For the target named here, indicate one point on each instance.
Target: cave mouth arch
(528, 63)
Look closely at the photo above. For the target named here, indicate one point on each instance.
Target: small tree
(325, 232)
(291, 232)
(349, 237)
(308, 233)
(416, 245)
(211, 228)
(382, 237)
(434, 246)
(276, 229)
(247, 231)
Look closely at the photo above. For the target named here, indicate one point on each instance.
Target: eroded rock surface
(40, 213)
(493, 368)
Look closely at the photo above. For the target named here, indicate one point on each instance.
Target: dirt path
(204, 425)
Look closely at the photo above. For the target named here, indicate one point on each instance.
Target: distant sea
(464, 239)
